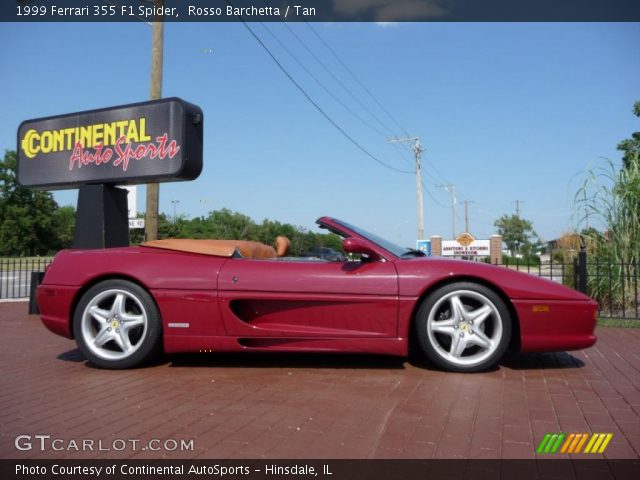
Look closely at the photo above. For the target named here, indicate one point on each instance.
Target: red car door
(288, 298)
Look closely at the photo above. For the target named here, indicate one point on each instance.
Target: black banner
(320, 469)
(321, 10)
(159, 140)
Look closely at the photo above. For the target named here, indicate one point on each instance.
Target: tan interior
(224, 248)
(283, 244)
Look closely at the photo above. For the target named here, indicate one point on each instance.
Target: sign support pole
(153, 189)
(101, 217)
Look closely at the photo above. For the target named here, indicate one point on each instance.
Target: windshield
(397, 250)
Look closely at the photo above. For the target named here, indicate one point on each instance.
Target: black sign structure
(154, 141)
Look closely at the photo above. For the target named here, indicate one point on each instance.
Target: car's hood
(517, 285)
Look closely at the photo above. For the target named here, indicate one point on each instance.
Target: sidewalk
(308, 406)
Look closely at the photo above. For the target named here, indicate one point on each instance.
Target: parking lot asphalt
(308, 406)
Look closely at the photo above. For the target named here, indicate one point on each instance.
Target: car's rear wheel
(464, 327)
(117, 325)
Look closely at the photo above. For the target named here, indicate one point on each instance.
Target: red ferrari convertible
(126, 305)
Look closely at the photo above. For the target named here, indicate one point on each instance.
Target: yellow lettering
(121, 126)
(33, 147)
(132, 132)
(68, 132)
(110, 133)
(29, 145)
(85, 137)
(143, 130)
(58, 140)
(45, 141)
(97, 133)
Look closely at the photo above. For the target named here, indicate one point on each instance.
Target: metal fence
(15, 275)
(613, 285)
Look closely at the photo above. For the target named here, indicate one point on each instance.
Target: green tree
(227, 224)
(517, 233)
(64, 220)
(27, 220)
(630, 147)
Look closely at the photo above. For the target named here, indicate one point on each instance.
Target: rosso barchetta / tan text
(251, 11)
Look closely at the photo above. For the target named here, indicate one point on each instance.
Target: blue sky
(505, 111)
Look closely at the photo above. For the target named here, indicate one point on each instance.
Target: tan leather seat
(219, 248)
(283, 244)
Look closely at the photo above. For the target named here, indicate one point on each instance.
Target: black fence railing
(15, 275)
(615, 286)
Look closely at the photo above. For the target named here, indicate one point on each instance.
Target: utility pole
(153, 189)
(451, 188)
(466, 214)
(417, 150)
(518, 202)
(175, 202)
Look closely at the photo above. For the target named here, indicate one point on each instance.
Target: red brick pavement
(306, 406)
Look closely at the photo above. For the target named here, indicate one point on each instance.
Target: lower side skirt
(383, 346)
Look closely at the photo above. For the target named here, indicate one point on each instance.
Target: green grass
(618, 322)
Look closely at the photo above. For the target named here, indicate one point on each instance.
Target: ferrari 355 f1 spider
(125, 305)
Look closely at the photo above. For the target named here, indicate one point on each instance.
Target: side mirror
(357, 245)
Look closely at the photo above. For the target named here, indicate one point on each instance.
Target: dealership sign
(466, 245)
(154, 141)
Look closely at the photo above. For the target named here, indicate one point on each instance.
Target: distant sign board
(424, 246)
(132, 200)
(155, 141)
(466, 245)
(136, 223)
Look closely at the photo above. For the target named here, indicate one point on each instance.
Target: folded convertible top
(218, 248)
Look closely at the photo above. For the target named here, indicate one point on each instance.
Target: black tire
(449, 341)
(117, 325)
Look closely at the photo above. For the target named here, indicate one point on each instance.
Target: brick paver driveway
(297, 406)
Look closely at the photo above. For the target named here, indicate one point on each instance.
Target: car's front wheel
(117, 325)
(464, 327)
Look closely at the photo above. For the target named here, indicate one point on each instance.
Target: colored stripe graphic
(567, 444)
(556, 445)
(582, 442)
(543, 443)
(598, 443)
(551, 442)
(573, 443)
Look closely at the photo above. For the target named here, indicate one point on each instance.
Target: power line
(417, 150)
(357, 79)
(308, 97)
(451, 188)
(438, 173)
(432, 197)
(324, 87)
(331, 94)
(337, 80)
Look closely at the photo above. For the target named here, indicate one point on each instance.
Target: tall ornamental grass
(611, 198)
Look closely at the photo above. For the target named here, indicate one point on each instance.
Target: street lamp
(175, 202)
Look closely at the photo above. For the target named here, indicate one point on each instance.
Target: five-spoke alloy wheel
(464, 327)
(117, 325)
